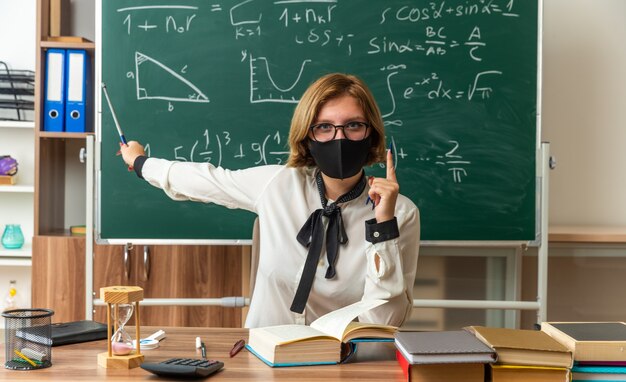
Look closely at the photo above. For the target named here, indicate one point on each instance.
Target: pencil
(19, 354)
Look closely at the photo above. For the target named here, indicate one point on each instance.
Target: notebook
(65, 333)
(458, 346)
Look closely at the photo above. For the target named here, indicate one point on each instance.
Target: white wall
(584, 110)
(83, 18)
(17, 33)
(17, 42)
(17, 49)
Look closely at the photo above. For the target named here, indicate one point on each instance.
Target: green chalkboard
(218, 81)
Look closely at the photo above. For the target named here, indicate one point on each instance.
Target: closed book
(8, 180)
(524, 347)
(78, 230)
(582, 373)
(456, 346)
(590, 341)
(525, 373)
(441, 372)
(65, 333)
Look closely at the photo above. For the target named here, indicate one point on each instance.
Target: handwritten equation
(430, 55)
(316, 25)
(215, 147)
(218, 147)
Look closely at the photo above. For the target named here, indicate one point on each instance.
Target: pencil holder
(28, 337)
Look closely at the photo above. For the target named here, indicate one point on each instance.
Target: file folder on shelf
(54, 95)
(78, 92)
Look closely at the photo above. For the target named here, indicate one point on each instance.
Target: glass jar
(12, 238)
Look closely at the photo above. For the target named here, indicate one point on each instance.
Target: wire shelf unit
(17, 93)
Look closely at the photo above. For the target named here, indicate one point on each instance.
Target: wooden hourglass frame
(115, 295)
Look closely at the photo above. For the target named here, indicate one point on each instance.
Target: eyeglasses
(354, 131)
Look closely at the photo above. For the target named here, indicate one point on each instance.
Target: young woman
(322, 245)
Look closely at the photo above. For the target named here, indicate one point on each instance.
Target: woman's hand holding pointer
(130, 152)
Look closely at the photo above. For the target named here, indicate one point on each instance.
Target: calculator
(184, 367)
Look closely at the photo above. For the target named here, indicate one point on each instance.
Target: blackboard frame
(217, 241)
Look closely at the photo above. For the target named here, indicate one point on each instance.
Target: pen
(19, 354)
(117, 124)
(368, 197)
(237, 347)
(370, 200)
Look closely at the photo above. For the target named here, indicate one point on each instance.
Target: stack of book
(442, 356)
(525, 355)
(599, 348)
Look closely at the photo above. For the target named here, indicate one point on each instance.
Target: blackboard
(218, 81)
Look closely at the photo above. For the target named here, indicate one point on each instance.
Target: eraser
(159, 335)
(33, 354)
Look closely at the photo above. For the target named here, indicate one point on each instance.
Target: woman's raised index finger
(391, 171)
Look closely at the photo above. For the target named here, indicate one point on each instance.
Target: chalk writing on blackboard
(245, 20)
(168, 22)
(188, 91)
(260, 72)
(436, 88)
(217, 82)
(272, 149)
(315, 23)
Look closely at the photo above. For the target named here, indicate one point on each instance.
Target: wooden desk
(78, 363)
(587, 234)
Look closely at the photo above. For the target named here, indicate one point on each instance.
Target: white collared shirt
(283, 198)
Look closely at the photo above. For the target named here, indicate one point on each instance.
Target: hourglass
(121, 343)
(120, 308)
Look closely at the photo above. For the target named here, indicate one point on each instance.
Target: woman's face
(338, 139)
(340, 111)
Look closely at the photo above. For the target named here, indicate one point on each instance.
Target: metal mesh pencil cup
(28, 336)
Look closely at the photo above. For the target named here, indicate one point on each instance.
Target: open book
(321, 342)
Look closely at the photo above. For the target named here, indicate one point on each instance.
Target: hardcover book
(321, 342)
(598, 373)
(443, 347)
(435, 372)
(590, 341)
(65, 333)
(524, 347)
(524, 373)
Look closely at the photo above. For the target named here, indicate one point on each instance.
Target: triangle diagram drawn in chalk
(156, 81)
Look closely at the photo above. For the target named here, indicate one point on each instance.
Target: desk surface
(587, 234)
(78, 362)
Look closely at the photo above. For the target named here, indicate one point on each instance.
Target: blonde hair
(321, 91)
